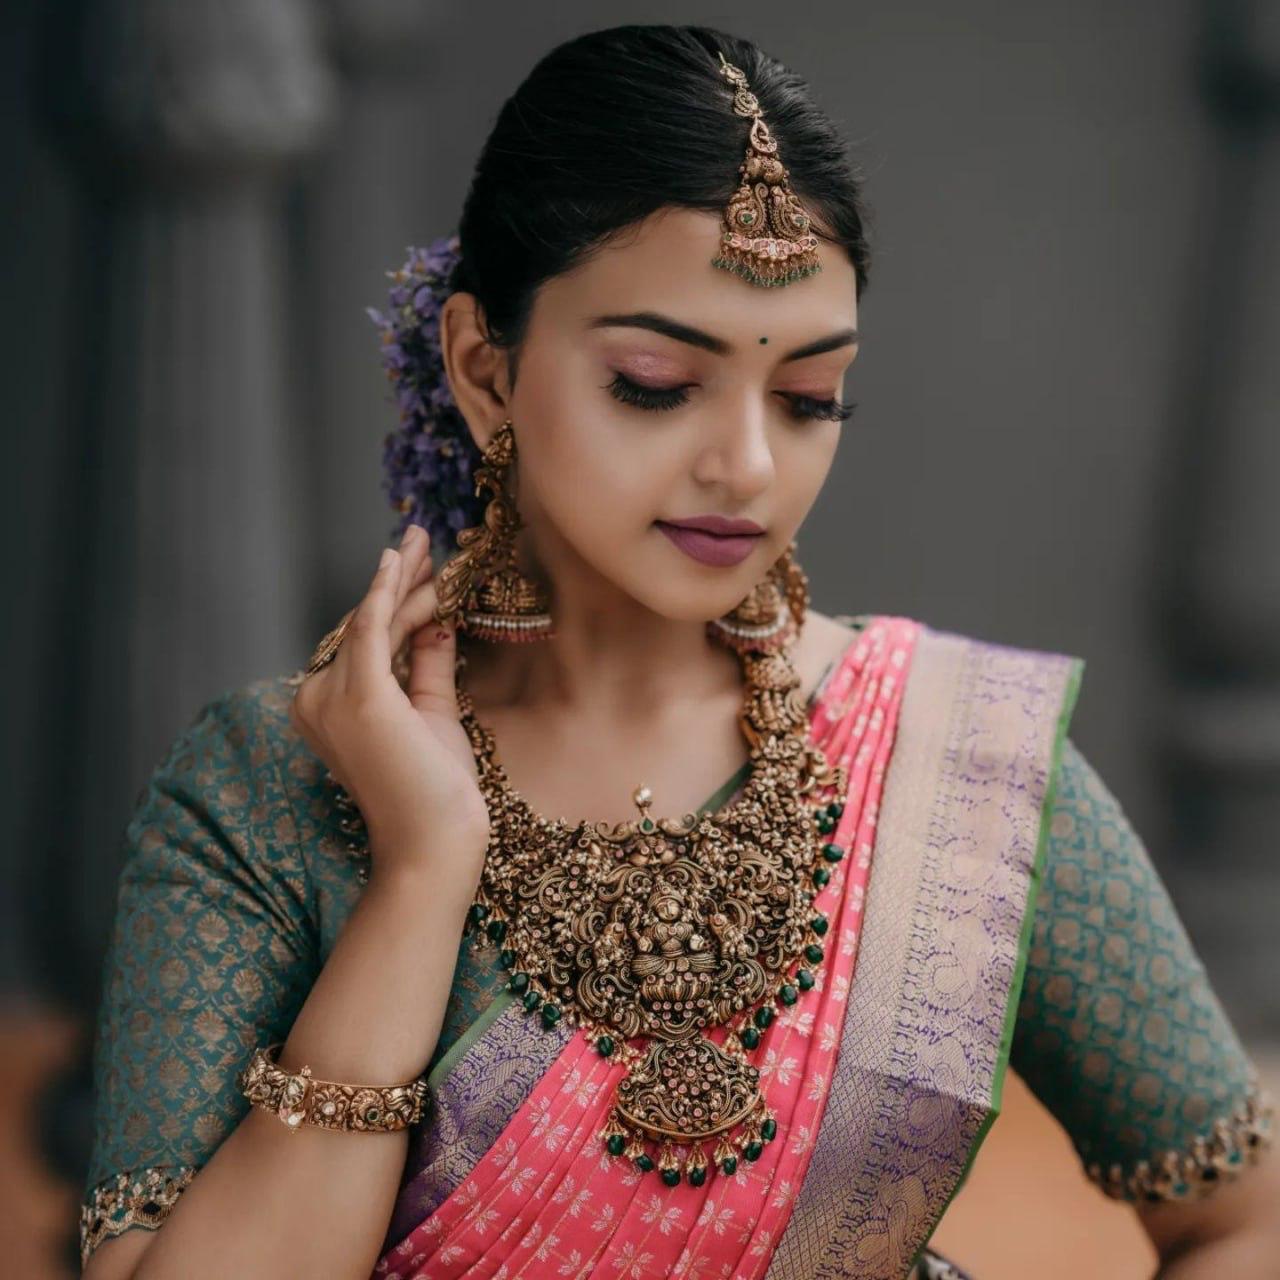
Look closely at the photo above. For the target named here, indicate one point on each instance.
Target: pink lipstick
(714, 540)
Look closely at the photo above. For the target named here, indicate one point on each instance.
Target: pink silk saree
(882, 1087)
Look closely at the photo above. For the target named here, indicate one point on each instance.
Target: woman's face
(653, 387)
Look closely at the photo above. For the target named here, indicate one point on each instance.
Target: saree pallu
(883, 1088)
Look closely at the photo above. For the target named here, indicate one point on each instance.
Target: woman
(762, 1039)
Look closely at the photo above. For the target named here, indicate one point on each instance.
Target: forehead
(663, 264)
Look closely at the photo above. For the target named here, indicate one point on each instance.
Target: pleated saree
(884, 1078)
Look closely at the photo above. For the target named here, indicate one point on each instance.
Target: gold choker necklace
(661, 928)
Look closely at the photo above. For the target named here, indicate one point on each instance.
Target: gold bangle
(299, 1099)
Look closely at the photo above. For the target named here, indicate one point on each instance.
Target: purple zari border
(920, 1063)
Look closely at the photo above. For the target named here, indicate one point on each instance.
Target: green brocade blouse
(242, 865)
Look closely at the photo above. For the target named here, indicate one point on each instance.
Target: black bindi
(763, 341)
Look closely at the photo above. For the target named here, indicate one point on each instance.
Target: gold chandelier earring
(481, 584)
(772, 613)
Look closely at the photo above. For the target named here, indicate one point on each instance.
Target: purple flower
(429, 458)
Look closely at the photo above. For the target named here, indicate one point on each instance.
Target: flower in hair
(429, 458)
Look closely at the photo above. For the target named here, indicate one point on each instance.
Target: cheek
(585, 468)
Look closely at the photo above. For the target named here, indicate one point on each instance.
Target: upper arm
(212, 953)
(1119, 1031)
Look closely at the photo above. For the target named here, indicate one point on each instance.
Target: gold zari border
(1234, 1143)
(136, 1198)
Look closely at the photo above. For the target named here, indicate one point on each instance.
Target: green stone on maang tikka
(531, 1001)
(819, 925)
(697, 1175)
(518, 983)
(671, 1177)
(478, 913)
(821, 876)
(763, 1016)
(769, 1130)
(753, 1150)
(729, 1165)
(644, 1163)
(788, 994)
(550, 1015)
(507, 959)
(832, 852)
(496, 929)
(750, 1037)
(805, 979)
(616, 1143)
(605, 1046)
(813, 953)
(835, 808)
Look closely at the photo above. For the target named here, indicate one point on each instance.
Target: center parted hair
(606, 129)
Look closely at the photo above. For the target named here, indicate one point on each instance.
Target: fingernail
(404, 537)
(387, 553)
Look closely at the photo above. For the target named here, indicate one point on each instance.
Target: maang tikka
(766, 234)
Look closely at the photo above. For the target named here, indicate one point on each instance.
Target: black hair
(615, 124)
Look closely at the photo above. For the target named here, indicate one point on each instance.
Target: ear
(476, 368)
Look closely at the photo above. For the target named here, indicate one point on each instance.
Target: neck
(627, 665)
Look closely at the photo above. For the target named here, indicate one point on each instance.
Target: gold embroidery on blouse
(137, 1198)
(1234, 1143)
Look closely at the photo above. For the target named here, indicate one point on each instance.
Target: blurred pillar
(376, 191)
(187, 121)
(1219, 601)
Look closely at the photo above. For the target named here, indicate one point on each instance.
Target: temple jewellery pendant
(659, 928)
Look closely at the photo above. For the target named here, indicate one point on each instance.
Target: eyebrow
(670, 328)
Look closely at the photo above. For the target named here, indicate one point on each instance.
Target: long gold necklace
(660, 928)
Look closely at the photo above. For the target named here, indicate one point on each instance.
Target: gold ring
(327, 649)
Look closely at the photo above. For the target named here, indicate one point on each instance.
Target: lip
(722, 525)
(720, 550)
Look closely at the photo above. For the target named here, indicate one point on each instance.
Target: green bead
(788, 994)
(749, 1036)
(644, 1163)
(518, 983)
(769, 1130)
(550, 1015)
(507, 959)
(478, 912)
(832, 852)
(497, 930)
(805, 979)
(753, 1150)
(764, 1016)
(617, 1144)
(813, 953)
(531, 1001)
(671, 1177)
(820, 876)
(826, 824)
(835, 808)
(729, 1165)
(605, 1046)
(819, 924)
(697, 1176)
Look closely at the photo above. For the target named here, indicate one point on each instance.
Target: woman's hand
(402, 755)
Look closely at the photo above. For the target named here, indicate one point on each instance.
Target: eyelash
(664, 398)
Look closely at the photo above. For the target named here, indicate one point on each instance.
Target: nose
(737, 455)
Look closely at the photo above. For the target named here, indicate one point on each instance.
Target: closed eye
(806, 407)
(802, 407)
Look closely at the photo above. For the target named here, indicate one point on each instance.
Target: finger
(366, 643)
(416, 611)
(432, 686)
(414, 551)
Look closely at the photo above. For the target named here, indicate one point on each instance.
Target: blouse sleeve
(1119, 1032)
(213, 952)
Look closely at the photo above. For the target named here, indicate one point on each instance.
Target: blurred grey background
(1068, 390)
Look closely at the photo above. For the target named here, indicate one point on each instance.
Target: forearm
(274, 1202)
